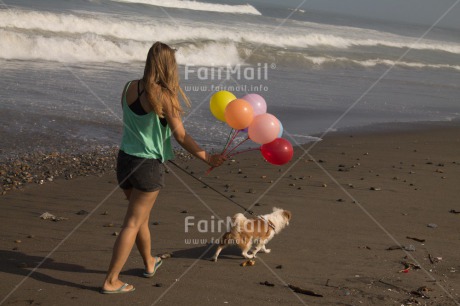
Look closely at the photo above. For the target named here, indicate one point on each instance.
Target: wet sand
(353, 196)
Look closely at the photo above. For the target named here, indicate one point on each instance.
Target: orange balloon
(239, 114)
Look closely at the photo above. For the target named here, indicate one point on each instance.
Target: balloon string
(232, 135)
(244, 151)
(208, 171)
(228, 139)
(228, 153)
(231, 140)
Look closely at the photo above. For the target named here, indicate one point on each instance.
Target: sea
(63, 65)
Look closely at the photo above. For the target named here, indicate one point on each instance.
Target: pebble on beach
(44, 167)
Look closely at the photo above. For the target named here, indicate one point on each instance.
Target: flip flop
(119, 290)
(158, 263)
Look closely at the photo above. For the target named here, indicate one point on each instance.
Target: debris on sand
(304, 291)
(48, 216)
(410, 248)
(250, 262)
(421, 292)
(453, 211)
(416, 239)
(434, 260)
(409, 266)
(266, 283)
(165, 255)
(410, 301)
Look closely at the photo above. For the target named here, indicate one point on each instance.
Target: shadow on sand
(206, 252)
(19, 263)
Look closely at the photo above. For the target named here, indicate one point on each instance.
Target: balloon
(257, 102)
(281, 129)
(239, 114)
(277, 152)
(219, 102)
(264, 128)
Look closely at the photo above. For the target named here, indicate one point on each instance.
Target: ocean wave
(199, 6)
(183, 31)
(90, 47)
(83, 48)
(95, 48)
(73, 37)
(343, 61)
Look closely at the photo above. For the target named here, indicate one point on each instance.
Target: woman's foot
(116, 286)
(152, 265)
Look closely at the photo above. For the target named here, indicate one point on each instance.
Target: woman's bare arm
(189, 144)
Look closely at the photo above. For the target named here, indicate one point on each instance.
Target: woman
(151, 113)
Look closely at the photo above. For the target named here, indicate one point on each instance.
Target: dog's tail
(237, 222)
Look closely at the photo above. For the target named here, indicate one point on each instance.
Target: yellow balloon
(219, 102)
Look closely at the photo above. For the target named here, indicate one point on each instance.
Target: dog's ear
(287, 214)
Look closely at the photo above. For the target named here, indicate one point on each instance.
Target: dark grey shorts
(145, 174)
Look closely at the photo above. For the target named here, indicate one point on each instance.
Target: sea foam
(73, 37)
(199, 6)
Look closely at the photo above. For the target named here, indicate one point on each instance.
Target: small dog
(257, 231)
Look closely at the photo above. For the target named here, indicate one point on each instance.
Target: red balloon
(277, 152)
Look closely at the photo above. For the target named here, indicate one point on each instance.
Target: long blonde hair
(161, 80)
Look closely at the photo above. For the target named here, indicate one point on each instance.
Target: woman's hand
(216, 160)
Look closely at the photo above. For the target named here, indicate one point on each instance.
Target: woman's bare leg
(144, 245)
(143, 241)
(140, 205)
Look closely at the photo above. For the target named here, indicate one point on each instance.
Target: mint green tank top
(144, 136)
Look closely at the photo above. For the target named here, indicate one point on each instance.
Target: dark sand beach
(356, 199)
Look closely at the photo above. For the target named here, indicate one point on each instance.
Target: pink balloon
(264, 128)
(257, 102)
